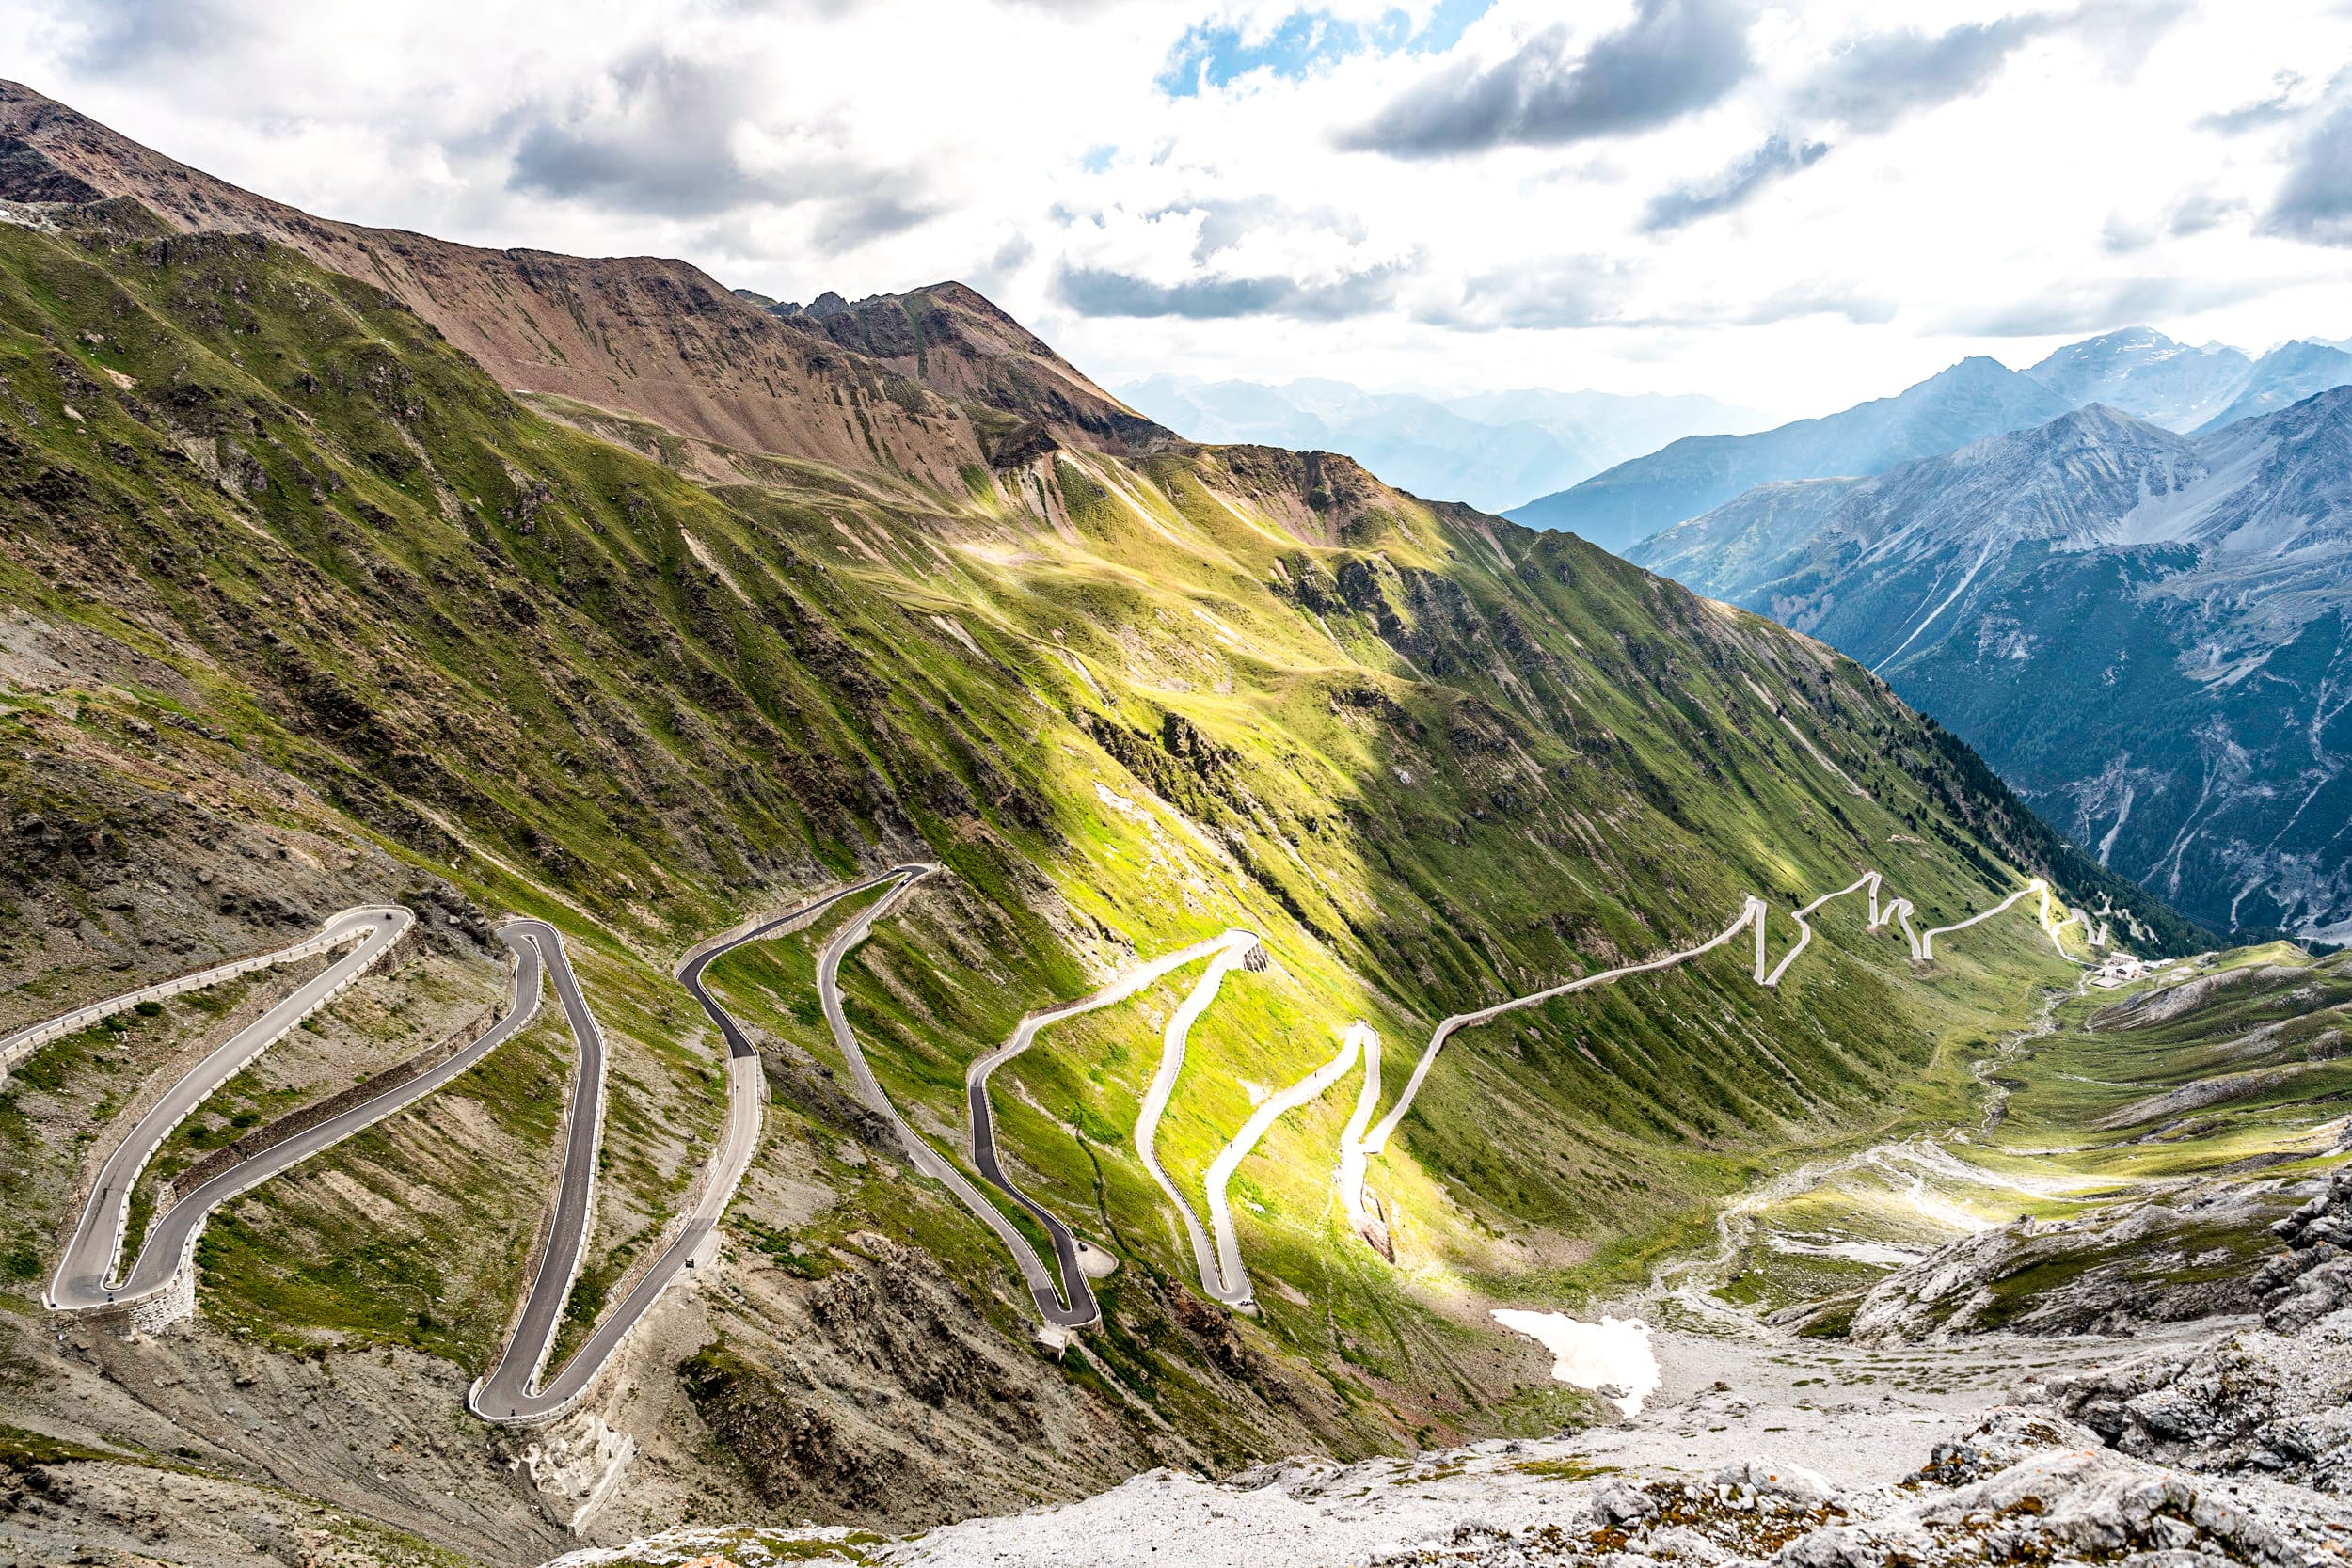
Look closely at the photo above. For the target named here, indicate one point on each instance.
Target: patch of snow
(1119, 804)
(1613, 1355)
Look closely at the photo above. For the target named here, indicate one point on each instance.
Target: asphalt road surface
(1080, 1310)
(506, 1394)
(1227, 949)
(1753, 912)
(1232, 1284)
(503, 1396)
(171, 1239)
(1227, 952)
(89, 1259)
(511, 1391)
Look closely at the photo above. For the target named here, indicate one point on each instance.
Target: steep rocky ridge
(957, 343)
(643, 335)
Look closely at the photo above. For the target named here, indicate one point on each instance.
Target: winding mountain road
(1080, 1310)
(511, 1391)
(338, 931)
(1230, 948)
(167, 1259)
(79, 1282)
(1225, 952)
(504, 1394)
(1232, 1284)
(1755, 913)
(1350, 1173)
(1926, 948)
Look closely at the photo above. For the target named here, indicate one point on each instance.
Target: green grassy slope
(1433, 759)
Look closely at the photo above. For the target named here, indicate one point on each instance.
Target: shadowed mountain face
(2142, 630)
(306, 606)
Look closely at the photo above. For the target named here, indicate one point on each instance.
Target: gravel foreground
(2020, 1484)
(2231, 1446)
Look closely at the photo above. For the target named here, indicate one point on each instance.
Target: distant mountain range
(1492, 449)
(2143, 629)
(2138, 370)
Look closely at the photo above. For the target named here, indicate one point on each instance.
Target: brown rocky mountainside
(955, 340)
(641, 335)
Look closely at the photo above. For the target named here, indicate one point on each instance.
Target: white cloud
(1813, 201)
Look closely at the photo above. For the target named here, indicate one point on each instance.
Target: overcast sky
(1790, 206)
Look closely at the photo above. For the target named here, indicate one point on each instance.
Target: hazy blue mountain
(2142, 630)
(2138, 371)
(1492, 449)
(1976, 398)
(1610, 427)
(2143, 373)
(2287, 374)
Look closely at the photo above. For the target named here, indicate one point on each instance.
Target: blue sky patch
(1305, 40)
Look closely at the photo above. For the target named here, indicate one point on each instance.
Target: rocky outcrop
(2274, 1400)
(2255, 1403)
(2143, 1008)
(2018, 1487)
(2313, 1278)
(2110, 1272)
(2174, 1103)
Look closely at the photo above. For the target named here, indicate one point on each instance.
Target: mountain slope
(2142, 630)
(1976, 398)
(956, 343)
(2145, 373)
(304, 608)
(644, 336)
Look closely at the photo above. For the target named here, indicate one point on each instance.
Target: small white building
(2121, 968)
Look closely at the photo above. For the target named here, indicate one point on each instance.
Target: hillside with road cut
(305, 611)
